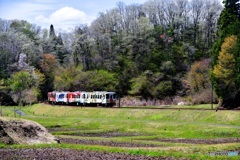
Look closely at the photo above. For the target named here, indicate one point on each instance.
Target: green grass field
(142, 126)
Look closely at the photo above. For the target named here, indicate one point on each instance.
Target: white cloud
(46, 12)
(65, 18)
(23, 10)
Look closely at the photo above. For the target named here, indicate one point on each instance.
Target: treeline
(154, 50)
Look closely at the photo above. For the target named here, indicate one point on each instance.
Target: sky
(64, 14)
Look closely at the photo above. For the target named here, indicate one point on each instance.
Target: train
(82, 98)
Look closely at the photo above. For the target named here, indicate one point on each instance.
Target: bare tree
(196, 15)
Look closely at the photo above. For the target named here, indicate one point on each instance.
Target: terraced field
(130, 133)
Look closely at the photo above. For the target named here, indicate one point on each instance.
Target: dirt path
(199, 141)
(104, 143)
(68, 154)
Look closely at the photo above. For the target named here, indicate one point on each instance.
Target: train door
(83, 98)
(109, 99)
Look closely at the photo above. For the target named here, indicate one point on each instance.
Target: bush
(204, 97)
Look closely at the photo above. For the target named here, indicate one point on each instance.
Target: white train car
(95, 98)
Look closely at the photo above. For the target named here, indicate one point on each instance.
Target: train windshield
(113, 96)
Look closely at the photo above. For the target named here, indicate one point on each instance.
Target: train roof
(82, 92)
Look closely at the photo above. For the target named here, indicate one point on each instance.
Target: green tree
(228, 24)
(52, 34)
(226, 55)
(74, 78)
(102, 80)
(54, 45)
(48, 65)
(226, 74)
(152, 85)
(29, 35)
(141, 86)
(25, 84)
(66, 79)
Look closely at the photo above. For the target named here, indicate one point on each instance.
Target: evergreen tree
(52, 34)
(234, 5)
(228, 24)
(226, 56)
(56, 46)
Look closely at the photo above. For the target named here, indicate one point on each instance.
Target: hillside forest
(155, 50)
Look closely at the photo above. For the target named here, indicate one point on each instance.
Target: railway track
(150, 107)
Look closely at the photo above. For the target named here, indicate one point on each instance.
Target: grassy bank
(163, 123)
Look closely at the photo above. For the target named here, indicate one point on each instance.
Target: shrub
(204, 97)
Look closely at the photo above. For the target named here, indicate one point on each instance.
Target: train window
(107, 96)
(61, 96)
(75, 96)
(83, 96)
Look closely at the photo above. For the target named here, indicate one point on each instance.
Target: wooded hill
(154, 50)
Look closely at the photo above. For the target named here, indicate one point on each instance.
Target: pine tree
(226, 54)
(228, 24)
(234, 5)
(52, 34)
(56, 45)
